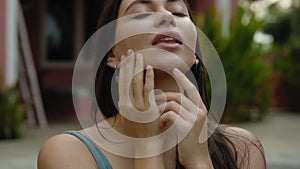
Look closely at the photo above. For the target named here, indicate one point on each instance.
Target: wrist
(201, 166)
(201, 161)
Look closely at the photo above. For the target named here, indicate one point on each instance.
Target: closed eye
(142, 16)
(179, 14)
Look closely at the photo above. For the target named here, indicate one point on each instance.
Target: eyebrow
(137, 2)
(146, 2)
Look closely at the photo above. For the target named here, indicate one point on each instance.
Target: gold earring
(117, 73)
(196, 63)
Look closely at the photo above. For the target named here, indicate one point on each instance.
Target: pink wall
(2, 38)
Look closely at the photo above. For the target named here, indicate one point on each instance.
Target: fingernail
(138, 55)
(129, 52)
(158, 98)
(122, 57)
(158, 92)
(149, 67)
(175, 70)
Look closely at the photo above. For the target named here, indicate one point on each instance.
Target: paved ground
(279, 134)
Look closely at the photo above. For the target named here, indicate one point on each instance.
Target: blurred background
(258, 42)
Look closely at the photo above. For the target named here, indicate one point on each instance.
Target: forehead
(126, 3)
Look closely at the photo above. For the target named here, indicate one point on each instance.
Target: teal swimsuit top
(99, 157)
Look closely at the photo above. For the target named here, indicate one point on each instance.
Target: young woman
(165, 69)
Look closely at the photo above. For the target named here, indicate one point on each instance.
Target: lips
(167, 38)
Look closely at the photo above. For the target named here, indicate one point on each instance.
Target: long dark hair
(222, 150)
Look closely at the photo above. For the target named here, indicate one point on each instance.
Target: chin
(166, 61)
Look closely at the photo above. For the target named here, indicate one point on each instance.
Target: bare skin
(172, 107)
(65, 151)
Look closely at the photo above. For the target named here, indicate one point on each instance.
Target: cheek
(126, 28)
(129, 36)
(133, 43)
(190, 35)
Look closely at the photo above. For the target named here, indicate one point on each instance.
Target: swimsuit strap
(99, 157)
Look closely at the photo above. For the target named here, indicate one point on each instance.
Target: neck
(164, 82)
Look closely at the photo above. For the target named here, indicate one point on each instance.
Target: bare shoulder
(65, 151)
(248, 147)
(240, 135)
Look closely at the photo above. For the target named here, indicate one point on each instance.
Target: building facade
(57, 30)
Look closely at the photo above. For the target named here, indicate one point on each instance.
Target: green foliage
(12, 113)
(286, 32)
(246, 68)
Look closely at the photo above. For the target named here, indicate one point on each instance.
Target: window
(60, 30)
(68, 24)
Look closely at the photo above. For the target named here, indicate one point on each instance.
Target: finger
(149, 85)
(122, 73)
(179, 98)
(188, 86)
(178, 109)
(168, 118)
(125, 76)
(171, 118)
(138, 83)
(129, 72)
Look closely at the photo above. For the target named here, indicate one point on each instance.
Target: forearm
(200, 159)
(205, 164)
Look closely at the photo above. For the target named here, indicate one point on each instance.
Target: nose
(164, 19)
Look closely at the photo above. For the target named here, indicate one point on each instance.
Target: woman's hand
(136, 97)
(143, 118)
(189, 116)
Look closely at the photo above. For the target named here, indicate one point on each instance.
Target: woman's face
(163, 26)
